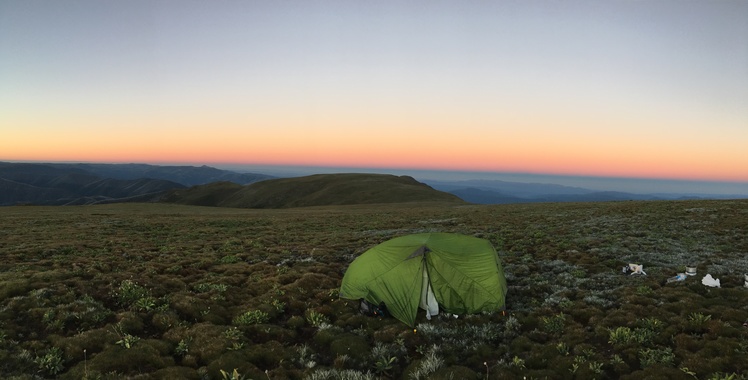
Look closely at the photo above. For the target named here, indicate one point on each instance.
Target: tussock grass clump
(464, 336)
(130, 294)
(11, 288)
(251, 317)
(337, 374)
(315, 318)
(51, 363)
(652, 356)
(427, 365)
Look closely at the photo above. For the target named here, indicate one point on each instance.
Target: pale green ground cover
(164, 291)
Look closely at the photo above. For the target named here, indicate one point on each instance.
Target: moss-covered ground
(150, 291)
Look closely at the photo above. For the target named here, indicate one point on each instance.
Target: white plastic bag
(708, 280)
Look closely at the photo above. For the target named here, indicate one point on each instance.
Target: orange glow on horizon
(555, 163)
(525, 147)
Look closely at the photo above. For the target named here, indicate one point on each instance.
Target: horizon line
(217, 165)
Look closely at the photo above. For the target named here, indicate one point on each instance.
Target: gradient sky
(649, 89)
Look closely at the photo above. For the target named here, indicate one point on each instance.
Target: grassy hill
(165, 291)
(314, 190)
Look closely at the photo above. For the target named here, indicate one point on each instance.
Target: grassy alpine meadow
(153, 291)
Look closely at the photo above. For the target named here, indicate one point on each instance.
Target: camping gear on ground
(708, 280)
(634, 269)
(456, 273)
(691, 271)
(678, 277)
(368, 309)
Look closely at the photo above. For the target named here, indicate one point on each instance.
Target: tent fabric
(463, 272)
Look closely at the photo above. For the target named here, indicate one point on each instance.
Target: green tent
(461, 274)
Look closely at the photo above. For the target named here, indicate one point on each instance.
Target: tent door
(428, 300)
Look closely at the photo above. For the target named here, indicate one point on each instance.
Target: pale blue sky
(618, 88)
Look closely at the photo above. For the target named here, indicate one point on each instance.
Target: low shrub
(296, 322)
(86, 343)
(232, 361)
(554, 324)
(353, 346)
(209, 341)
(13, 288)
(266, 356)
(128, 361)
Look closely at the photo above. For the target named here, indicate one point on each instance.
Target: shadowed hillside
(69, 184)
(185, 175)
(54, 185)
(314, 190)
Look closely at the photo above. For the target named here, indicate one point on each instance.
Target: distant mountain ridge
(73, 184)
(91, 183)
(503, 192)
(49, 185)
(79, 184)
(185, 175)
(313, 190)
(517, 189)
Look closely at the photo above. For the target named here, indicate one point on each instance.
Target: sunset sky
(648, 89)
